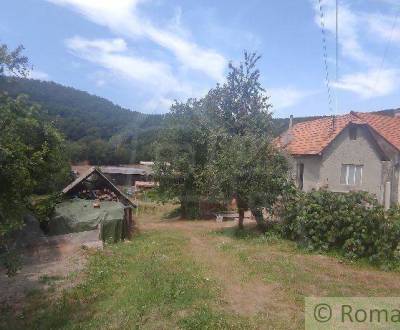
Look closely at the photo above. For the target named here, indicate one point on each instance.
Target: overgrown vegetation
(352, 223)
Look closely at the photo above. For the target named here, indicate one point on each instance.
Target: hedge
(353, 223)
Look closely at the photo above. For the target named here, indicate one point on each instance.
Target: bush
(353, 223)
(43, 206)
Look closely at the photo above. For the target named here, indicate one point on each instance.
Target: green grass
(166, 278)
(150, 282)
(301, 273)
(47, 279)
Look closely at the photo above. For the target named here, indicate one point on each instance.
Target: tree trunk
(183, 209)
(258, 215)
(241, 218)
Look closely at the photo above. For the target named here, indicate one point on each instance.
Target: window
(353, 132)
(351, 174)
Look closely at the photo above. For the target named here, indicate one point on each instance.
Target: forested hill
(78, 114)
(96, 128)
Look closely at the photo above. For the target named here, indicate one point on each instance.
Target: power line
(337, 53)
(387, 48)
(325, 56)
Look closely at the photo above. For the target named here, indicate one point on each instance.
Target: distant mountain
(79, 114)
(97, 129)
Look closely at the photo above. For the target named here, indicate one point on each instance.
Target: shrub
(353, 223)
(43, 206)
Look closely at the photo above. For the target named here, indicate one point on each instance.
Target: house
(356, 151)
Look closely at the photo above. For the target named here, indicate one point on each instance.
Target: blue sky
(143, 54)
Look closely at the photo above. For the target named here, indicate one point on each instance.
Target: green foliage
(96, 129)
(43, 206)
(353, 223)
(182, 155)
(32, 159)
(13, 62)
(240, 106)
(218, 148)
(247, 168)
(241, 161)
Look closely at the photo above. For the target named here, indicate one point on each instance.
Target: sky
(144, 54)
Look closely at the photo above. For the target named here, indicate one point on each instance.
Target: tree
(13, 62)
(32, 159)
(32, 152)
(182, 155)
(240, 106)
(242, 162)
(219, 147)
(248, 169)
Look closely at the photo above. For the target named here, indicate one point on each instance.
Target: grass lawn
(198, 275)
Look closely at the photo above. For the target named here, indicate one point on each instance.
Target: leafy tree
(242, 162)
(13, 62)
(32, 159)
(219, 147)
(32, 151)
(182, 155)
(240, 105)
(249, 169)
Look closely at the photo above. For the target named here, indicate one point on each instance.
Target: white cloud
(356, 30)
(100, 82)
(373, 83)
(122, 17)
(154, 105)
(39, 75)
(153, 78)
(286, 97)
(109, 54)
(384, 26)
(349, 30)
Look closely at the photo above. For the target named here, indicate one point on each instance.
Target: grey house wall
(361, 151)
(325, 170)
(311, 174)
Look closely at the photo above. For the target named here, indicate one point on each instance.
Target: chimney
(288, 135)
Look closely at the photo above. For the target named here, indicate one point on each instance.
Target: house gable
(363, 151)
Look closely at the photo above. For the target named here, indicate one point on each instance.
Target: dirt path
(269, 282)
(50, 261)
(241, 294)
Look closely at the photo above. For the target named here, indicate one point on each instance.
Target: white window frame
(356, 168)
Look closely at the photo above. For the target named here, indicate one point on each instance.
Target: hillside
(79, 114)
(96, 128)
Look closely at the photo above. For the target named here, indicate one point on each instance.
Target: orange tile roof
(386, 126)
(312, 137)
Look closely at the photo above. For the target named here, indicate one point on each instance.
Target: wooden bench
(226, 216)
